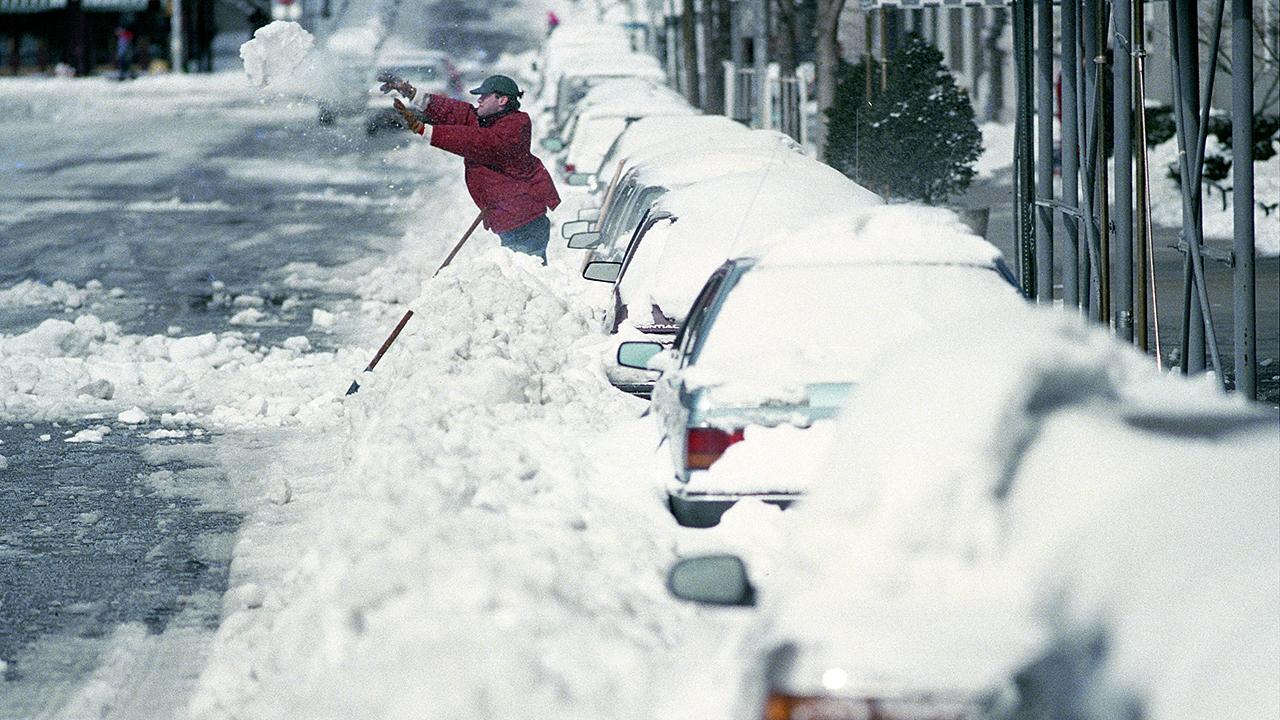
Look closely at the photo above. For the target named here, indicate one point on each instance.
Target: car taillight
(704, 446)
(782, 706)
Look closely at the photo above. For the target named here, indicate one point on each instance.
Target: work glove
(390, 81)
(413, 119)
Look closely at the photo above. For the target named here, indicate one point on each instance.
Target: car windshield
(802, 325)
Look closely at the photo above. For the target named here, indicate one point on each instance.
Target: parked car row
(995, 511)
(712, 235)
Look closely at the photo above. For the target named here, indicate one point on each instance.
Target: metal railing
(784, 107)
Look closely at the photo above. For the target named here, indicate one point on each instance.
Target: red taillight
(570, 168)
(781, 706)
(704, 446)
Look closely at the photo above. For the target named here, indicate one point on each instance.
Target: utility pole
(1070, 155)
(1024, 156)
(1244, 293)
(1044, 151)
(177, 37)
(1122, 113)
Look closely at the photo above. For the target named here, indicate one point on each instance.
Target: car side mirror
(552, 144)
(592, 214)
(712, 580)
(637, 353)
(602, 271)
(584, 240)
(581, 179)
(573, 227)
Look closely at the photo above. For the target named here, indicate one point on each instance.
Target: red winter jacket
(505, 180)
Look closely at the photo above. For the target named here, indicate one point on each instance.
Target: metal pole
(760, 61)
(1024, 157)
(177, 38)
(1044, 152)
(1122, 112)
(1142, 190)
(1070, 154)
(1200, 315)
(735, 33)
(1102, 181)
(1185, 62)
(1088, 120)
(870, 55)
(1245, 340)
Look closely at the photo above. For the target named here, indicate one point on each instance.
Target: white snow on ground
(1166, 196)
(487, 543)
(1219, 211)
(477, 532)
(33, 293)
(997, 149)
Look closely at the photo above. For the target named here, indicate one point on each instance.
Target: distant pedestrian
(124, 52)
(507, 182)
(553, 21)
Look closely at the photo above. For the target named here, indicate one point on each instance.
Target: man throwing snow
(509, 185)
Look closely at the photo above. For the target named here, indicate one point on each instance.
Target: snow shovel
(355, 385)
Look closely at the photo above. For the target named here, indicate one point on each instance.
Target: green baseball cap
(500, 84)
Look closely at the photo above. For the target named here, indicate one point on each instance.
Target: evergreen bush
(915, 138)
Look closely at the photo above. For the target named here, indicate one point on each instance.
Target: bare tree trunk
(785, 37)
(826, 58)
(715, 28)
(689, 50)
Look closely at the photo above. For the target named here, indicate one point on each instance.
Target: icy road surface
(196, 523)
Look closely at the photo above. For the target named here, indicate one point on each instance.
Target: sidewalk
(997, 193)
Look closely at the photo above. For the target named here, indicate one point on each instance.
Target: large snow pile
(66, 369)
(476, 556)
(275, 52)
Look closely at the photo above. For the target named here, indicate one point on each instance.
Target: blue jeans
(530, 238)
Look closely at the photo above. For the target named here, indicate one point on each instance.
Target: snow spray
(275, 52)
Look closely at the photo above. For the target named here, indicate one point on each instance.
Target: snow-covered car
(601, 90)
(659, 131)
(659, 169)
(593, 127)
(427, 70)
(583, 72)
(570, 43)
(691, 231)
(773, 348)
(1016, 520)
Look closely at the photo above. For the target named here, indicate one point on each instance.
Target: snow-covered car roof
(793, 325)
(903, 234)
(621, 89)
(687, 165)
(569, 33)
(596, 131)
(771, 142)
(643, 102)
(659, 130)
(731, 216)
(597, 63)
(998, 492)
